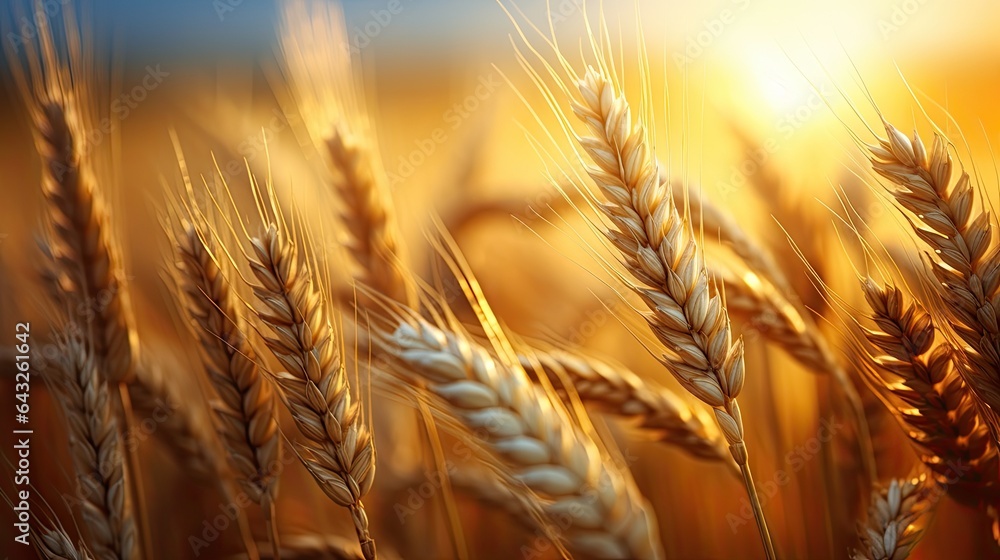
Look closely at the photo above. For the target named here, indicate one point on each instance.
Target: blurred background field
(759, 116)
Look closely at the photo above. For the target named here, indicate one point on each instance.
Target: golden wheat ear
(938, 200)
(528, 431)
(340, 454)
(916, 373)
(295, 317)
(612, 388)
(55, 544)
(66, 95)
(893, 525)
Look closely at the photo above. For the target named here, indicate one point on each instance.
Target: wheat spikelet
(661, 255)
(340, 452)
(965, 261)
(318, 70)
(245, 409)
(524, 427)
(55, 544)
(934, 403)
(613, 388)
(96, 449)
(890, 532)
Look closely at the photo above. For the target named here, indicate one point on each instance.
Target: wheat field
(389, 279)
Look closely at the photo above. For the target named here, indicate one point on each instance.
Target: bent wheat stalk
(663, 259)
(340, 453)
(519, 421)
(891, 530)
(96, 449)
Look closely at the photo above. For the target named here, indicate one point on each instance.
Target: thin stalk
(272, 529)
(132, 459)
(758, 511)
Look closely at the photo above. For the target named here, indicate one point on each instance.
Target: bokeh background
(761, 105)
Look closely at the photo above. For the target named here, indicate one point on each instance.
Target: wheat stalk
(661, 255)
(964, 261)
(245, 411)
(935, 405)
(530, 432)
(890, 532)
(340, 452)
(96, 449)
(612, 388)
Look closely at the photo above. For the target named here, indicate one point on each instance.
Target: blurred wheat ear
(96, 447)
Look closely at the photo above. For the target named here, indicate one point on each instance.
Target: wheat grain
(96, 449)
(523, 426)
(890, 532)
(340, 452)
(934, 403)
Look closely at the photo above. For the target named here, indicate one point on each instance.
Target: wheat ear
(368, 216)
(965, 262)
(660, 252)
(87, 266)
(890, 532)
(96, 449)
(612, 388)
(323, 85)
(245, 411)
(340, 454)
(934, 404)
(532, 434)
